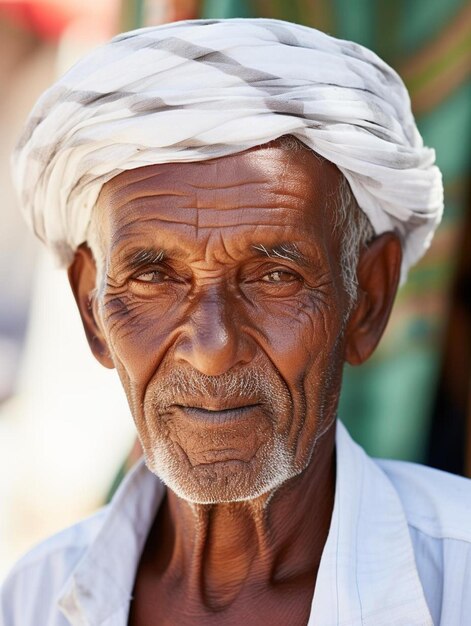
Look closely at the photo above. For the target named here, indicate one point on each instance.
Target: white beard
(275, 465)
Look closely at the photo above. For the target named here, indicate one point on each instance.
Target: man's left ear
(82, 278)
(378, 274)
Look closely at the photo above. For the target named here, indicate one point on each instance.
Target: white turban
(197, 90)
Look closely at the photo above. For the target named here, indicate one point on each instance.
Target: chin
(224, 481)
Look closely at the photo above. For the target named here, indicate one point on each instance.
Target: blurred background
(66, 436)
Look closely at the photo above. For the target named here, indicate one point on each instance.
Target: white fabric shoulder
(436, 503)
(437, 506)
(84, 574)
(29, 594)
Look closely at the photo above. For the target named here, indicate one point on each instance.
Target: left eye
(279, 276)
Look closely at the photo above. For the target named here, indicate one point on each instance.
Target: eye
(279, 276)
(153, 276)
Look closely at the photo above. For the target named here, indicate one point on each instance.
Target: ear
(378, 274)
(82, 278)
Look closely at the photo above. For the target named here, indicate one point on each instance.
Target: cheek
(139, 333)
(298, 335)
(302, 340)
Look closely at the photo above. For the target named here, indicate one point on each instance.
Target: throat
(231, 552)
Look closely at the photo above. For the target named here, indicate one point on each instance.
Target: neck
(278, 538)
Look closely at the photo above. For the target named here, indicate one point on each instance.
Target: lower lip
(224, 416)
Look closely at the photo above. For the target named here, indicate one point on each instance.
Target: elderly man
(236, 202)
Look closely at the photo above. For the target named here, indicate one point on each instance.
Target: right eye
(153, 276)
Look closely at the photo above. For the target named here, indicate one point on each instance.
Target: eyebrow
(287, 251)
(135, 259)
(139, 257)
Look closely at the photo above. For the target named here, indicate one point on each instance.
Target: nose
(213, 340)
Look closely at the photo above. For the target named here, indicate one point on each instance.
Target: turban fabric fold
(198, 90)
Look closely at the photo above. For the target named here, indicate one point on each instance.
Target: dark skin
(228, 271)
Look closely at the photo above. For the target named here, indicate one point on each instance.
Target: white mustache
(190, 387)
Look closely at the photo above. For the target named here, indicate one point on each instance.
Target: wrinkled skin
(225, 276)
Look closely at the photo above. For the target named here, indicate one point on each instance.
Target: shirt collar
(102, 583)
(367, 575)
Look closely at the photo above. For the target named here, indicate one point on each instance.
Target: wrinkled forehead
(284, 168)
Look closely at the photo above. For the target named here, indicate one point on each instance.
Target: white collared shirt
(398, 552)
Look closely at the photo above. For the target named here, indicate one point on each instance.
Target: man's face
(223, 310)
